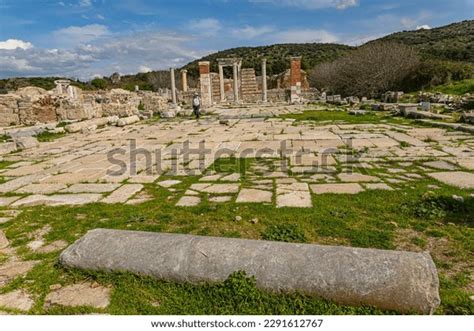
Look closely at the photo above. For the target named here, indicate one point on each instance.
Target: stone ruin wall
(32, 105)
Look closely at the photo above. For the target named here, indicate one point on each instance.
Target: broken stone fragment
(395, 280)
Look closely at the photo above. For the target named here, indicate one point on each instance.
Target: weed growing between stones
(285, 233)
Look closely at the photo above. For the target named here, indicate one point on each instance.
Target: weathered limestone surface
(19, 300)
(84, 294)
(460, 179)
(10, 270)
(398, 280)
(123, 193)
(26, 142)
(254, 195)
(57, 200)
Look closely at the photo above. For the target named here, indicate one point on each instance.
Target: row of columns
(184, 81)
(235, 76)
(235, 79)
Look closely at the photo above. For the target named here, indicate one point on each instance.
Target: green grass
(4, 138)
(5, 164)
(49, 136)
(343, 116)
(457, 88)
(368, 219)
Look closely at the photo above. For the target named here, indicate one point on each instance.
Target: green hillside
(277, 56)
(451, 42)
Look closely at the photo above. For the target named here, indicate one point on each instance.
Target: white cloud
(251, 32)
(140, 51)
(311, 4)
(144, 69)
(305, 36)
(74, 35)
(85, 3)
(343, 4)
(423, 27)
(205, 26)
(14, 44)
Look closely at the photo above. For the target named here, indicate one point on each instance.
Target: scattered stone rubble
(32, 105)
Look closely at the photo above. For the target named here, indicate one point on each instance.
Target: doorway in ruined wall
(220, 94)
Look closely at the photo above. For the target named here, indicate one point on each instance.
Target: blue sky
(85, 38)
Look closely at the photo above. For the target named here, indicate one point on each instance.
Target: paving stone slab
(6, 201)
(231, 178)
(123, 193)
(16, 183)
(298, 199)
(143, 179)
(254, 195)
(84, 294)
(337, 188)
(53, 247)
(210, 178)
(57, 200)
(18, 300)
(221, 188)
(91, 188)
(221, 199)
(460, 179)
(441, 165)
(188, 201)
(378, 186)
(357, 178)
(169, 183)
(10, 270)
(41, 188)
(3, 240)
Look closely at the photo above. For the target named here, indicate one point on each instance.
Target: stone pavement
(301, 160)
(291, 165)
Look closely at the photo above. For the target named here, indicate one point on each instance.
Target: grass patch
(284, 232)
(343, 116)
(457, 88)
(368, 219)
(5, 164)
(49, 136)
(4, 138)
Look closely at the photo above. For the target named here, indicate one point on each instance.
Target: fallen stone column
(96, 122)
(128, 120)
(396, 280)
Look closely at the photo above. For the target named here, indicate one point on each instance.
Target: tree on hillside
(368, 71)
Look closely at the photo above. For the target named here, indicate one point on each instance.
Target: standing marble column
(184, 80)
(264, 80)
(221, 83)
(173, 86)
(236, 83)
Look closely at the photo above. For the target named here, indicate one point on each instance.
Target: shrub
(99, 83)
(369, 71)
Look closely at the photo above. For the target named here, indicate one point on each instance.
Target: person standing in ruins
(197, 105)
